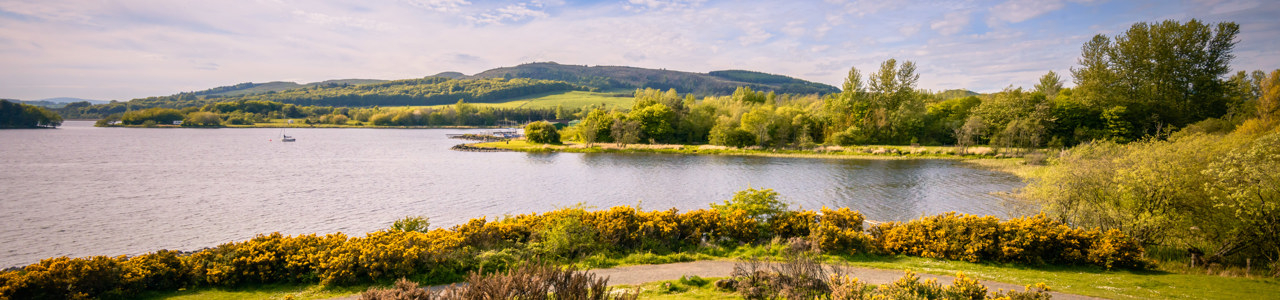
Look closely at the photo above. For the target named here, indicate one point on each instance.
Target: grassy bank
(984, 157)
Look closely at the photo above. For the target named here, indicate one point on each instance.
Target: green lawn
(1091, 281)
(273, 291)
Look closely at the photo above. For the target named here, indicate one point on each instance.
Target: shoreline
(1016, 166)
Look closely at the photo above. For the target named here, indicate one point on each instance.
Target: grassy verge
(692, 287)
(1081, 280)
(272, 291)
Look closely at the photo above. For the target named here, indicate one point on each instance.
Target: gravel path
(633, 275)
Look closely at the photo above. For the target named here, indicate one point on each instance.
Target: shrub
(534, 281)
(417, 223)
(542, 132)
(840, 231)
(1032, 240)
(403, 290)
(567, 237)
(948, 236)
(758, 205)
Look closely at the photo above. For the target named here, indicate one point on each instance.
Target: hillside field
(570, 99)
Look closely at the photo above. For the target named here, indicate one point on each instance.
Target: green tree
(1269, 98)
(758, 204)
(542, 132)
(625, 131)
(1166, 73)
(726, 132)
(1049, 85)
(655, 122)
(202, 119)
(18, 115)
(411, 224)
(759, 122)
(1247, 183)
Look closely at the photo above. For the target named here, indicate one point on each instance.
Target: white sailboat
(285, 137)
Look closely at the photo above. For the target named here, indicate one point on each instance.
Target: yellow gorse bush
(384, 255)
(1032, 240)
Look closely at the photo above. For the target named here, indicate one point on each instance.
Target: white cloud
(1016, 11)
(323, 19)
(754, 35)
(440, 5)
(511, 13)
(909, 30)
(78, 48)
(951, 23)
(662, 5)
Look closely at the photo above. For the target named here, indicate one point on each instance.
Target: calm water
(80, 190)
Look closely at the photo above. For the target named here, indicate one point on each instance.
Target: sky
(120, 50)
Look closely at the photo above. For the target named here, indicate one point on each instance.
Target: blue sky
(138, 48)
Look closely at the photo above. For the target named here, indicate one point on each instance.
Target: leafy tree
(625, 131)
(969, 133)
(156, 115)
(18, 115)
(759, 122)
(758, 204)
(1169, 71)
(1269, 98)
(1049, 85)
(1247, 183)
(411, 224)
(202, 119)
(728, 133)
(542, 132)
(655, 122)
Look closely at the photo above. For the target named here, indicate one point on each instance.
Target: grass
(1082, 280)
(1089, 281)
(692, 287)
(271, 291)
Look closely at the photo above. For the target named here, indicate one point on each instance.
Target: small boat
(285, 137)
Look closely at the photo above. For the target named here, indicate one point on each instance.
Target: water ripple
(81, 191)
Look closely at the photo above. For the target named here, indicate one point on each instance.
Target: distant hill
(450, 75)
(249, 88)
(952, 94)
(494, 86)
(616, 77)
(58, 102)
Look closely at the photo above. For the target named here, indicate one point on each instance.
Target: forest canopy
(18, 115)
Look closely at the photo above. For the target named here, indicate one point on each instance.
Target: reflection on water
(80, 190)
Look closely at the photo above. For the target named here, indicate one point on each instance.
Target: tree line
(410, 92)
(1148, 81)
(250, 112)
(18, 115)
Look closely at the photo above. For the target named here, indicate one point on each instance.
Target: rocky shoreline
(470, 148)
(477, 137)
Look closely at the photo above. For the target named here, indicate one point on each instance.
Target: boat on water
(284, 137)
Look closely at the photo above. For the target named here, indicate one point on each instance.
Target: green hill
(605, 78)
(527, 85)
(249, 88)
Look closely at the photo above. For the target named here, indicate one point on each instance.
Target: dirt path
(633, 275)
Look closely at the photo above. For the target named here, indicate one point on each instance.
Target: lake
(80, 190)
